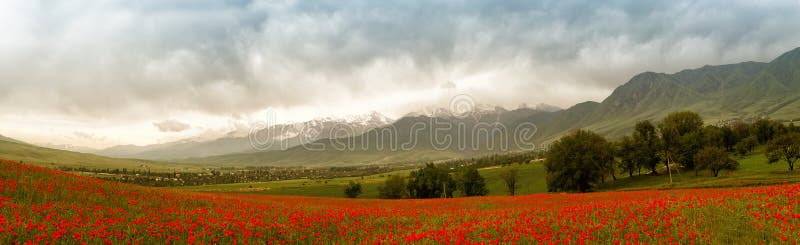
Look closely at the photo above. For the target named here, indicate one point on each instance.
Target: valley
(399, 122)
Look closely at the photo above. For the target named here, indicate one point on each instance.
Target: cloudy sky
(101, 73)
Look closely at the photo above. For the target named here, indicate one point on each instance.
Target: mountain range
(722, 92)
(725, 92)
(278, 137)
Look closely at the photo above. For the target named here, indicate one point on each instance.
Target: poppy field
(44, 206)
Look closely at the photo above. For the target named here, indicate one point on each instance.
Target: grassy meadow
(46, 206)
(753, 171)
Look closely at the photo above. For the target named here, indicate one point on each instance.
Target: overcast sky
(101, 73)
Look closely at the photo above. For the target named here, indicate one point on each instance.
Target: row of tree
(431, 181)
(501, 159)
(583, 159)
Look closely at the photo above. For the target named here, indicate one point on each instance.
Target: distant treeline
(227, 175)
(496, 159)
(230, 175)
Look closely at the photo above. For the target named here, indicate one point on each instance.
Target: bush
(715, 159)
(431, 182)
(784, 147)
(472, 184)
(353, 189)
(394, 188)
(510, 179)
(745, 146)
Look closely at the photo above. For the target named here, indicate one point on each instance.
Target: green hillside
(402, 142)
(4, 138)
(55, 158)
(735, 91)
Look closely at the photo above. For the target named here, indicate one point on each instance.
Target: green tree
(683, 122)
(745, 146)
(681, 137)
(627, 153)
(577, 162)
(509, 177)
(784, 147)
(765, 130)
(431, 182)
(715, 159)
(472, 183)
(647, 143)
(714, 136)
(730, 138)
(742, 129)
(393, 188)
(352, 190)
(688, 147)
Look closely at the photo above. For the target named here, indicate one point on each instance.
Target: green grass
(47, 157)
(531, 181)
(303, 187)
(299, 156)
(753, 171)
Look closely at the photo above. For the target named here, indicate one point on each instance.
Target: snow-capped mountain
(370, 119)
(324, 127)
(477, 110)
(259, 138)
(546, 107)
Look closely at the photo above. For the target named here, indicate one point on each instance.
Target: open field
(531, 181)
(301, 187)
(39, 205)
(753, 171)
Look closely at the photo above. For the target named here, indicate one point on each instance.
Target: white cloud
(132, 63)
(171, 126)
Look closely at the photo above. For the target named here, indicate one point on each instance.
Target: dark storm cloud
(124, 59)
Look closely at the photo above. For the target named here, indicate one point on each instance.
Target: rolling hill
(47, 157)
(4, 138)
(734, 91)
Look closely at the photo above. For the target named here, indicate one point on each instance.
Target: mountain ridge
(4, 138)
(719, 92)
(284, 135)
